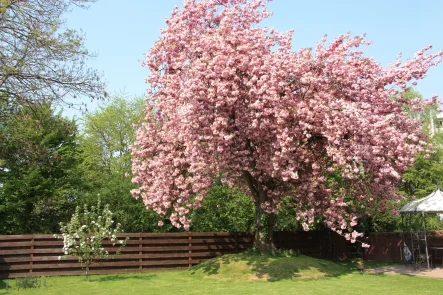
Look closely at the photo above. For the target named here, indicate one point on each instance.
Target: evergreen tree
(39, 177)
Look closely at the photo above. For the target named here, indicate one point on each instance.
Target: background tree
(427, 172)
(108, 133)
(39, 175)
(321, 127)
(106, 137)
(40, 57)
(224, 210)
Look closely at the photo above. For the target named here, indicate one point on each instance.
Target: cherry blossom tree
(324, 128)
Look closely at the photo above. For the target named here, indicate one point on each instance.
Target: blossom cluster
(324, 127)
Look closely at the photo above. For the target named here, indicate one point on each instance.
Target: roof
(430, 204)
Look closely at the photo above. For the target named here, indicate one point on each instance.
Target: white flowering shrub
(84, 234)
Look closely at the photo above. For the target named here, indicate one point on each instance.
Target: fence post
(235, 242)
(189, 249)
(31, 262)
(140, 252)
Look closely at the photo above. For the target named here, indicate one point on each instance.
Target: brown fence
(38, 254)
(386, 246)
(318, 244)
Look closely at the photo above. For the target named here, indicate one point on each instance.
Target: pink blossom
(322, 126)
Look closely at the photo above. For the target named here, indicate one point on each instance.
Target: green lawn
(239, 274)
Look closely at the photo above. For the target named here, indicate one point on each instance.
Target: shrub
(83, 236)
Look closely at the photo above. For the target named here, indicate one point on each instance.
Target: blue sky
(120, 32)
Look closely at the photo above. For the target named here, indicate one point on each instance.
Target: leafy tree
(224, 210)
(106, 136)
(317, 126)
(40, 57)
(39, 178)
(425, 175)
(108, 132)
(427, 171)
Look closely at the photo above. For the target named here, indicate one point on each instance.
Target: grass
(243, 274)
(249, 267)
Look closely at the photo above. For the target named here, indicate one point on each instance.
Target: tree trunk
(259, 237)
(264, 234)
(263, 237)
(87, 272)
(270, 234)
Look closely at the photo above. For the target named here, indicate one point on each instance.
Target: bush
(84, 234)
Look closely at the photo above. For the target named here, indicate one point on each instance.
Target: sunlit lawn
(177, 282)
(242, 275)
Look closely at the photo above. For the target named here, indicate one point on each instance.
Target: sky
(121, 32)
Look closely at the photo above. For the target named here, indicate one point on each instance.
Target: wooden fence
(386, 246)
(38, 254)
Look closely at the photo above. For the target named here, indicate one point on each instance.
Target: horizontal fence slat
(92, 272)
(143, 251)
(39, 254)
(129, 249)
(15, 244)
(15, 237)
(109, 264)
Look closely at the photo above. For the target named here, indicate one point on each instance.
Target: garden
(239, 137)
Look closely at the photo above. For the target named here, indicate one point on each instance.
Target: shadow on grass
(368, 264)
(271, 268)
(122, 277)
(378, 274)
(3, 284)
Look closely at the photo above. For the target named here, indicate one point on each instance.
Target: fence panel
(39, 254)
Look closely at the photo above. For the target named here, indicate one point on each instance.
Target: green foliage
(129, 212)
(422, 178)
(381, 222)
(84, 234)
(39, 173)
(286, 218)
(106, 137)
(427, 172)
(224, 210)
(46, 170)
(108, 133)
(28, 282)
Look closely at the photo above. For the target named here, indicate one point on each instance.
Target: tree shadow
(122, 277)
(276, 268)
(380, 274)
(307, 269)
(212, 267)
(3, 284)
